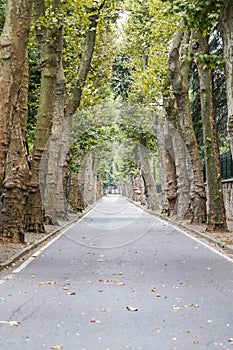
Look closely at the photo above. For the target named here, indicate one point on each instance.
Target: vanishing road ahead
(119, 279)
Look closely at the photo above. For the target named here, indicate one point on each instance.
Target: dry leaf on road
(11, 323)
(131, 308)
(94, 320)
(71, 293)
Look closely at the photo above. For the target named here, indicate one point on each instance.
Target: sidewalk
(12, 253)
(222, 241)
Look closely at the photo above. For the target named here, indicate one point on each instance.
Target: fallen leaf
(94, 320)
(196, 306)
(107, 281)
(176, 308)
(102, 309)
(11, 323)
(56, 347)
(51, 283)
(89, 282)
(131, 308)
(195, 342)
(9, 277)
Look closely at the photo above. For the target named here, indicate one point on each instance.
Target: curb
(17, 256)
(31, 247)
(186, 228)
(183, 227)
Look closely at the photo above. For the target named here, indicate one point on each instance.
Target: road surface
(119, 279)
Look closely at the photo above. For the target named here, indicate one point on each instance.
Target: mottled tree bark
(17, 173)
(54, 196)
(149, 182)
(13, 46)
(83, 188)
(167, 165)
(180, 153)
(216, 216)
(47, 37)
(14, 169)
(179, 65)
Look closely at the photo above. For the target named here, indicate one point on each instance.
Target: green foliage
(195, 104)
(198, 14)
(153, 30)
(2, 14)
(121, 76)
(137, 124)
(211, 61)
(33, 91)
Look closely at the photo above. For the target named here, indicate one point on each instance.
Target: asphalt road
(119, 279)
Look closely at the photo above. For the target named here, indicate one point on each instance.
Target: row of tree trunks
(127, 188)
(179, 154)
(54, 125)
(179, 66)
(85, 187)
(14, 169)
(60, 141)
(149, 181)
(167, 165)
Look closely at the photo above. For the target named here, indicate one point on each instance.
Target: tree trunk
(83, 189)
(216, 216)
(180, 153)
(226, 27)
(89, 193)
(149, 182)
(127, 187)
(167, 164)
(179, 65)
(54, 196)
(76, 200)
(47, 41)
(14, 168)
(13, 46)
(74, 102)
(17, 173)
